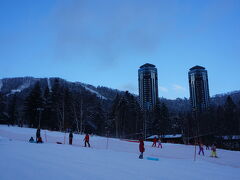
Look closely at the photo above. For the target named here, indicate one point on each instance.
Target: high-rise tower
(199, 90)
(148, 86)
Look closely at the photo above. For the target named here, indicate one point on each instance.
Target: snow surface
(107, 159)
(94, 92)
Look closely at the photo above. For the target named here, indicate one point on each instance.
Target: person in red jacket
(141, 148)
(86, 139)
(39, 140)
(154, 142)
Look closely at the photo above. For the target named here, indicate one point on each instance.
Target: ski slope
(106, 159)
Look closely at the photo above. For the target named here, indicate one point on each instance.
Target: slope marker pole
(45, 136)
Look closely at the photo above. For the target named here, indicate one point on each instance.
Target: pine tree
(98, 118)
(33, 105)
(12, 110)
(3, 108)
(157, 129)
(230, 120)
(110, 123)
(68, 99)
(120, 117)
(58, 106)
(220, 123)
(164, 119)
(126, 117)
(238, 115)
(188, 127)
(47, 115)
(77, 111)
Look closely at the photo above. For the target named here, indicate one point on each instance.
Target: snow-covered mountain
(220, 99)
(22, 86)
(10, 86)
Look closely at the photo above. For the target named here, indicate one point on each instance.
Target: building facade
(148, 86)
(199, 89)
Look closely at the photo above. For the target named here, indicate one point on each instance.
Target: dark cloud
(107, 30)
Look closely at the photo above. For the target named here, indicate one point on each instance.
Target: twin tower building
(148, 87)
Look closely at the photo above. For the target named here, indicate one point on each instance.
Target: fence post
(45, 136)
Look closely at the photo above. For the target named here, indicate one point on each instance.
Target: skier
(200, 149)
(159, 143)
(86, 139)
(214, 151)
(31, 140)
(38, 134)
(141, 148)
(154, 142)
(70, 137)
(207, 147)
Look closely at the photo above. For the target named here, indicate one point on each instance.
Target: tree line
(63, 109)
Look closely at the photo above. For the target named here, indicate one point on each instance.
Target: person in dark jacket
(38, 134)
(141, 148)
(159, 143)
(86, 139)
(31, 140)
(201, 149)
(70, 137)
(207, 147)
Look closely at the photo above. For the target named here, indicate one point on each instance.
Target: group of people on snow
(141, 143)
(86, 139)
(213, 150)
(39, 138)
(155, 141)
(142, 148)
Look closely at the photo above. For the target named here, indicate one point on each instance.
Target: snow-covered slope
(1, 84)
(107, 159)
(20, 88)
(93, 91)
(49, 84)
(10, 86)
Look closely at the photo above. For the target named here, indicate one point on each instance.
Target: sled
(152, 158)
(59, 142)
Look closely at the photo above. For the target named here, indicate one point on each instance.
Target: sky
(104, 42)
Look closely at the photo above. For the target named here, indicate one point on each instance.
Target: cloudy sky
(104, 42)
